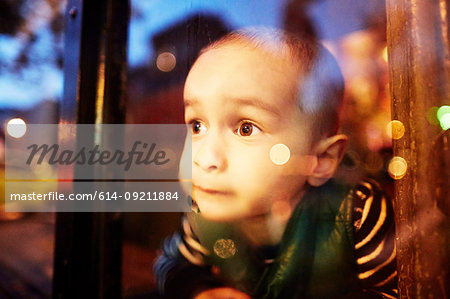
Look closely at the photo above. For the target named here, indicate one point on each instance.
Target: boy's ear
(328, 154)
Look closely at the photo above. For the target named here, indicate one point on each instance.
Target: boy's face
(239, 102)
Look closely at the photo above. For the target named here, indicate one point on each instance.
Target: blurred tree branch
(25, 20)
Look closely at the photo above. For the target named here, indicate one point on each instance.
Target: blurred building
(155, 91)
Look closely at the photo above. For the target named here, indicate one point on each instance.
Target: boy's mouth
(210, 191)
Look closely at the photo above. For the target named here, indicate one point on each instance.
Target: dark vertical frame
(419, 70)
(88, 246)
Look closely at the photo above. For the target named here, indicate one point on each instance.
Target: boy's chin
(227, 214)
(219, 215)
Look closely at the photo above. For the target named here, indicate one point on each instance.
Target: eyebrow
(188, 103)
(253, 102)
(259, 104)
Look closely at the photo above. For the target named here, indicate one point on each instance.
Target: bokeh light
(166, 62)
(432, 116)
(395, 129)
(445, 121)
(16, 127)
(224, 248)
(443, 115)
(280, 154)
(397, 168)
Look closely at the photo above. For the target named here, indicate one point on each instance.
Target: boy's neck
(263, 231)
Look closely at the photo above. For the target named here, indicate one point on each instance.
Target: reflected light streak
(385, 54)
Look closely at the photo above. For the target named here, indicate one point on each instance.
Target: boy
(263, 106)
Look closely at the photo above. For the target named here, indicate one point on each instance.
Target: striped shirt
(373, 222)
(180, 268)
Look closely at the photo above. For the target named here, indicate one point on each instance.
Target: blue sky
(42, 80)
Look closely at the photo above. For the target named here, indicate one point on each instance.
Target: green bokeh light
(432, 116)
(443, 115)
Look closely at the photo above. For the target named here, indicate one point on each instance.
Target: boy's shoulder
(359, 194)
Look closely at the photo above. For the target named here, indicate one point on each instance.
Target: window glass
(165, 38)
(31, 80)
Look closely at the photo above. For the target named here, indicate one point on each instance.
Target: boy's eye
(248, 129)
(198, 127)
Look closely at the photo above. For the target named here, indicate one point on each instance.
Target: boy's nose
(209, 154)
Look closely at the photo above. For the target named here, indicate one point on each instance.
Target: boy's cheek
(299, 165)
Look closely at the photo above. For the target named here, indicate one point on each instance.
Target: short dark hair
(321, 85)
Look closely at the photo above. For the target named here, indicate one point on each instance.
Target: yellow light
(395, 129)
(166, 62)
(397, 168)
(224, 248)
(385, 54)
(280, 154)
(16, 127)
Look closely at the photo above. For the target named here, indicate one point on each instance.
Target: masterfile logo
(85, 156)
